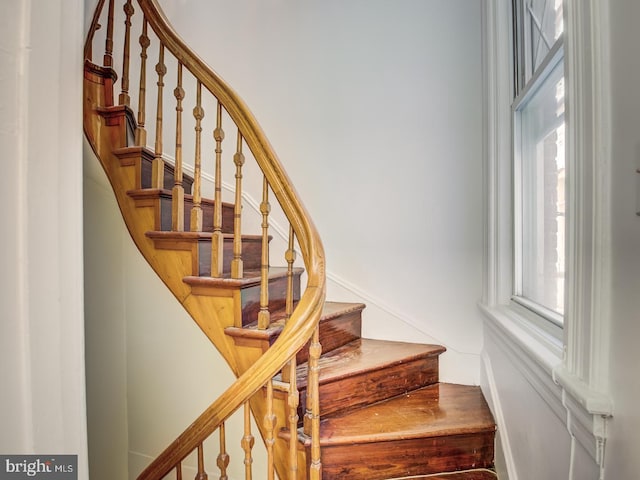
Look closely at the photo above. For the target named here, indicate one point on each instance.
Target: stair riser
(145, 176)
(383, 460)
(251, 256)
(207, 215)
(336, 332)
(250, 298)
(374, 386)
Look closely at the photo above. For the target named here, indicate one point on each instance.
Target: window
(539, 158)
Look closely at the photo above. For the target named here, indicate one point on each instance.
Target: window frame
(577, 360)
(523, 91)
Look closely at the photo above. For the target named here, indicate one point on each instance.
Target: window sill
(537, 353)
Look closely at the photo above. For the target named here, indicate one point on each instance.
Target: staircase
(328, 403)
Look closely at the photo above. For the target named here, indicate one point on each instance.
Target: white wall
(150, 370)
(622, 460)
(41, 332)
(374, 108)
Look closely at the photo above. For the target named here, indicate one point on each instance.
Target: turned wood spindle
(201, 475)
(177, 194)
(247, 443)
(196, 211)
(157, 169)
(290, 257)
(217, 241)
(270, 424)
(293, 400)
(236, 262)
(108, 44)
(312, 415)
(264, 317)
(141, 133)
(223, 456)
(124, 98)
(179, 471)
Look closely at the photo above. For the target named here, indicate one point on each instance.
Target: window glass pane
(539, 26)
(541, 122)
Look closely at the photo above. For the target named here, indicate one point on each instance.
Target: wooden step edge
(472, 474)
(129, 155)
(431, 351)
(305, 440)
(434, 411)
(155, 193)
(252, 332)
(331, 311)
(171, 236)
(251, 278)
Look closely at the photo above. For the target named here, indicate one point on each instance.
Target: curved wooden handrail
(252, 133)
(297, 332)
(306, 315)
(93, 28)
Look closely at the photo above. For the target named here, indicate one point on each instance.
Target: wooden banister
(294, 336)
(302, 317)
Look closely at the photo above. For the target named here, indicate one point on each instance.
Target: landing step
(371, 371)
(439, 428)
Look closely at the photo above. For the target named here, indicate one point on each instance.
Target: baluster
(196, 211)
(223, 457)
(141, 133)
(179, 471)
(290, 257)
(236, 263)
(177, 195)
(247, 442)
(201, 475)
(293, 401)
(108, 58)
(157, 170)
(294, 397)
(312, 415)
(108, 44)
(217, 239)
(124, 98)
(270, 424)
(264, 317)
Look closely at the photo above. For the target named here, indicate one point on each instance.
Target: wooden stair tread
(250, 278)
(330, 311)
(476, 474)
(364, 355)
(434, 411)
(195, 236)
(146, 193)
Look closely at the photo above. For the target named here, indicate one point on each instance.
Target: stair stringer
(106, 130)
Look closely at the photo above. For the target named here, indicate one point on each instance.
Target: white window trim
(579, 364)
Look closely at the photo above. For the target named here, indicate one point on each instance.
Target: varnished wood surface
(340, 324)
(476, 474)
(439, 428)
(434, 411)
(211, 314)
(366, 371)
(164, 197)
